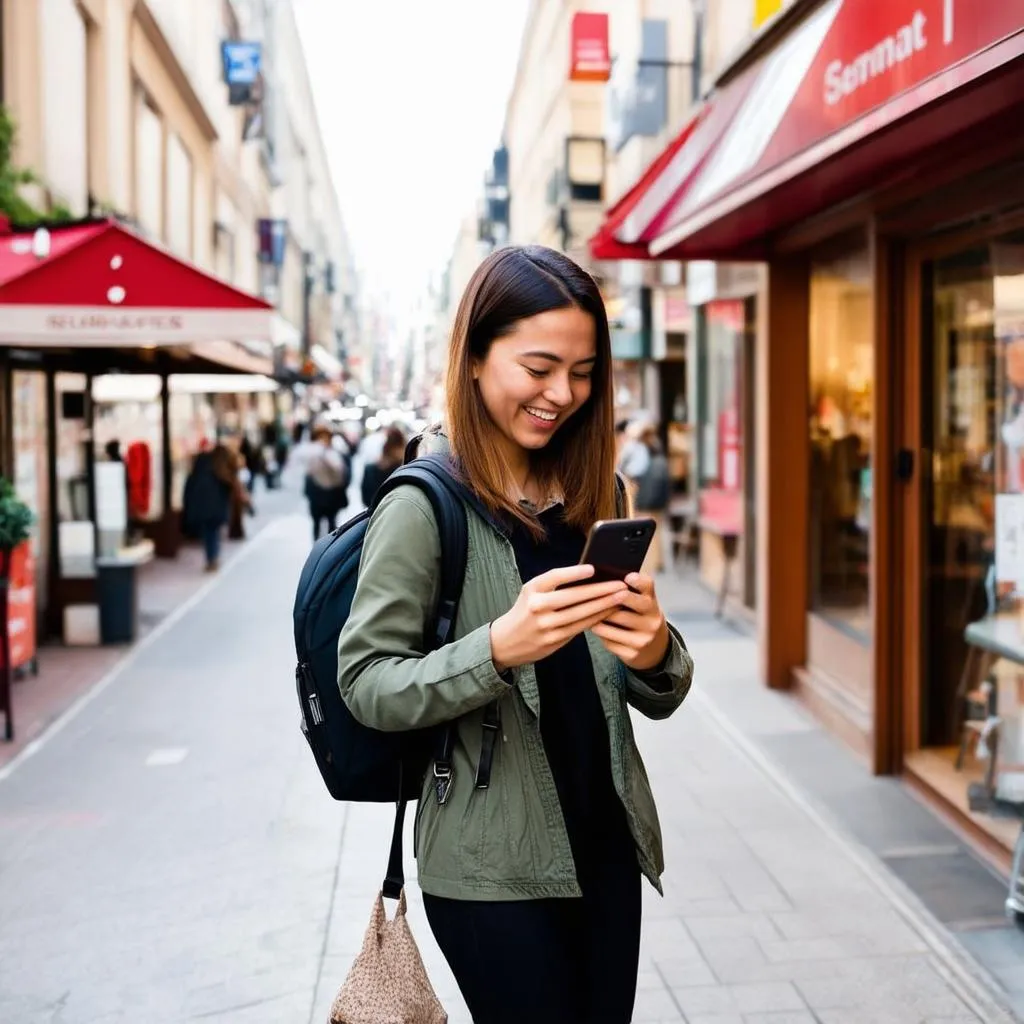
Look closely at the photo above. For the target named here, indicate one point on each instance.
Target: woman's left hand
(637, 634)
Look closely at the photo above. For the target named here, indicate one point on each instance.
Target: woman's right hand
(545, 618)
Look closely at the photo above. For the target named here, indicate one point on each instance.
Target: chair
(977, 704)
(984, 797)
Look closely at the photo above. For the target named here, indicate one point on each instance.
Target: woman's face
(534, 378)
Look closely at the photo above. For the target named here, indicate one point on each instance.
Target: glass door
(959, 378)
(970, 553)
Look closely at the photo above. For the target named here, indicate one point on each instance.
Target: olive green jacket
(507, 841)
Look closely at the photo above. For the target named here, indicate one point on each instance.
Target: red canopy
(99, 284)
(638, 217)
(845, 102)
(838, 106)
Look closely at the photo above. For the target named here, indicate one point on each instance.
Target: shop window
(725, 389)
(149, 154)
(971, 696)
(179, 198)
(65, 114)
(721, 417)
(72, 498)
(841, 392)
(31, 481)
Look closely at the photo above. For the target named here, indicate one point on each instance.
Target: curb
(972, 983)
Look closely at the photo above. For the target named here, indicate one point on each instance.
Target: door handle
(905, 465)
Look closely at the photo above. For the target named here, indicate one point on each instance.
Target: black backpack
(358, 763)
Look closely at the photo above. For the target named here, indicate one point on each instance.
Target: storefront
(725, 297)
(78, 303)
(672, 328)
(872, 159)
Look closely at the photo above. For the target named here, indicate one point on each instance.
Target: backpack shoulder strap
(412, 447)
(431, 476)
(621, 497)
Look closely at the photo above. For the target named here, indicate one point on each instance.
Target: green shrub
(15, 517)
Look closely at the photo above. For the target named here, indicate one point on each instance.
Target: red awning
(605, 245)
(99, 284)
(637, 218)
(839, 107)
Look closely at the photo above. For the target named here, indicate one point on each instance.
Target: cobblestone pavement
(170, 855)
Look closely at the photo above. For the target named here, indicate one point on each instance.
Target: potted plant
(15, 525)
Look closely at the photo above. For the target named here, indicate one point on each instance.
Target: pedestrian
(634, 457)
(326, 482)
(252, 460)
(652, 492)
(207, 499)
(391, 457)
(530, 855)
(240, 503)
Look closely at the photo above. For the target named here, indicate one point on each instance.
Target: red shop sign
(590, 57)
(874, 51)
(850, 58)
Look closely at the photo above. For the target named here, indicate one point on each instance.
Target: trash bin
(118, 598)
(117, 592)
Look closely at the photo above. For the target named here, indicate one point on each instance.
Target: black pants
(555, 961)
(323, 523)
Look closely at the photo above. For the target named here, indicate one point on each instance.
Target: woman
(326, 482)
(241, 503)
(651, 495)
(374, 474)
(207, 499)
(530, 861)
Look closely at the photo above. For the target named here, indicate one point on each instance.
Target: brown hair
(510, 285)
(394, 447)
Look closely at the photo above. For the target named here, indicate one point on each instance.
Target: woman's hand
(637, 634)
(545, 618)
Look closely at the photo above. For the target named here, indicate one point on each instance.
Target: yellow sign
(764, 9)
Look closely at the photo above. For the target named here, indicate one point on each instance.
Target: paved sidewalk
(770, 914)
(67, 674)
(170, 853)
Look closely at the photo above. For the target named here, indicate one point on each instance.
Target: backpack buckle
(442, 783)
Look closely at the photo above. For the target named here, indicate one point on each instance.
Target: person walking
(375, 473)
(651, 495)
(326, 482)
(530, 856)
(207, 499)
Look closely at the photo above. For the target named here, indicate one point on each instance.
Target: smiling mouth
(542, 414)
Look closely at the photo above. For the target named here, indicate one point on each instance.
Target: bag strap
(394, 880)
(431, 474)
(621, 498)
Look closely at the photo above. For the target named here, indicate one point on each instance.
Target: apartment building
(133, 128)
(121, 106)
(554, 133)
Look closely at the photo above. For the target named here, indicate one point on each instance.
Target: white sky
(411, 99)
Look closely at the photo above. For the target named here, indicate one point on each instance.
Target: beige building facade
(682, 355)
(555, 133)
(121, 108)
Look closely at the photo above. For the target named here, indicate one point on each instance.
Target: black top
(572, 723)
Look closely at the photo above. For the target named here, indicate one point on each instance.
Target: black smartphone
(617, 547)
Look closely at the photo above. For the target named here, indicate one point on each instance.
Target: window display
(720, 428)
(841, 376)
(972, 689)
(30, 471)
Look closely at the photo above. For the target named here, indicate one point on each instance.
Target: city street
(170, 855)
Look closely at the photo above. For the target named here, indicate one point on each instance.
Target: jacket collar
(434, 442)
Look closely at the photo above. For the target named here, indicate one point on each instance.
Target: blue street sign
(241, 61)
